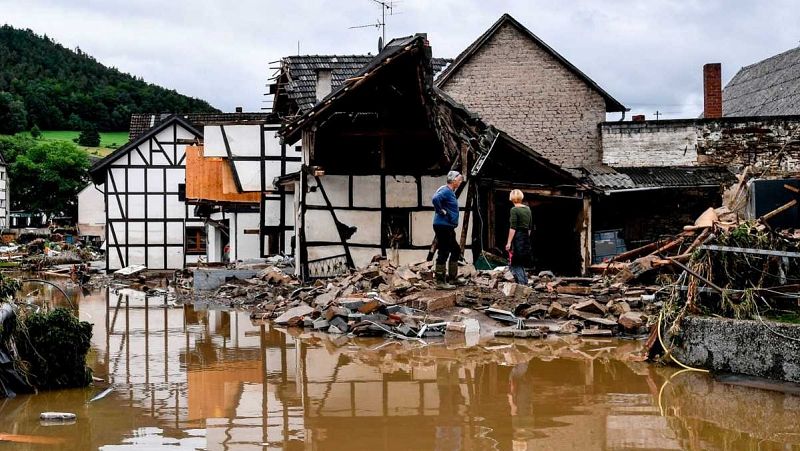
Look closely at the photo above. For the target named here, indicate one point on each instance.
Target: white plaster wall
(155, 206)
(155, 235)
(136, 233)
(244, 140)
(247, 243)
(175, 208)
(272, 210)
(320, 226)
(336, 187)
(136, 255)
(649, 145)
(158, 158)
(272, 169)
(136, 159)
(367, 191)
(174, 178)
(401, 191)
(155, 180)
(250, 175)
(91, 205)
(272, 143)
(289, 207)
(431, 184)
(155, 256)
(136, 206)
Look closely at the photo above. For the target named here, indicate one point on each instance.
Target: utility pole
(658, 114)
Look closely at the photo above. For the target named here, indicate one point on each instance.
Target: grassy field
(108, 140)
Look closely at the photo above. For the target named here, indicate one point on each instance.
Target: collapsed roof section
(296, 81)
(390, 118)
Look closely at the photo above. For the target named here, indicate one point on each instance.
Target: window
(2, 175)
(195, 240)
(2, 203)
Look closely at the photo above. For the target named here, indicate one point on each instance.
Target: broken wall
(733, 142)
(646, 216)
(369, 207)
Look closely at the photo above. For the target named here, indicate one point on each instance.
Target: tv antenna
(381, 23)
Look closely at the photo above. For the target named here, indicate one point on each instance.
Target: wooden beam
(467, 211)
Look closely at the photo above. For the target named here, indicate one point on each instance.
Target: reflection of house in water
(240, 385)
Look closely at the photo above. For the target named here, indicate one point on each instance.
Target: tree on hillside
(89, 136)
(35, 132)
(13, 118)
(47, 178)
(63, 88)
(11, 146)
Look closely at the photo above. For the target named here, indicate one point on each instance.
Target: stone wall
(733, 142)
(520, 88)
(740, 347)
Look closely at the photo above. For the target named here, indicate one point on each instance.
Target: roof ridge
(794, 49)
(612, 104)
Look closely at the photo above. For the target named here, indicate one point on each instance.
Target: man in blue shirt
(445, 221)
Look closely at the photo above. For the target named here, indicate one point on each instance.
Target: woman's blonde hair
(516, 196)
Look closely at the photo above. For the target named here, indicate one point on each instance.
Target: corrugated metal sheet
(621, 178)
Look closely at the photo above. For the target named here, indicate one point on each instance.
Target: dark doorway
(555, 235)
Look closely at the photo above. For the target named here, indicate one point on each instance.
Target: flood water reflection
(189, 377)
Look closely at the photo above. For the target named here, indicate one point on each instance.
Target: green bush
(54, 346)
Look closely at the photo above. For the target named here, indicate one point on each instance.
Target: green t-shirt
(521, 217)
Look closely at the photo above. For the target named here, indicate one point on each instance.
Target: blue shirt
(446, 205)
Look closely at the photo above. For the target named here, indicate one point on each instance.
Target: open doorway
(555, 234)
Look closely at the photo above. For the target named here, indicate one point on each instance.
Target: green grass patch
(108, 140)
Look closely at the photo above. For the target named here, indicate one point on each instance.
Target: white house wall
(5, 208)
(146, 220)
(362, 202)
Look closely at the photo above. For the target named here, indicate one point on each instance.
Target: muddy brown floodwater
(186, 377)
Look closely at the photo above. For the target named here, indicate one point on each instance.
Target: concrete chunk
(294, 312)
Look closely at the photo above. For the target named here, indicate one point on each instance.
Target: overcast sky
(646, 53)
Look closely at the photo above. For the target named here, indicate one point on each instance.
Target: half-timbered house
(374, 151)
(147, 220)
(230, 180)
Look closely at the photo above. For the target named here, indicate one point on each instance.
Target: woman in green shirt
(519, 237)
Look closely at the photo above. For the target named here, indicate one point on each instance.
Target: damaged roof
(767, 88)
(612, 105)
(611, 179)
(142, 122)
(301, 74)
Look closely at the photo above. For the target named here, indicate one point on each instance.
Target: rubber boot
(452, 273)
(441, 277)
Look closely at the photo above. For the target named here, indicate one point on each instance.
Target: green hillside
(45, 84)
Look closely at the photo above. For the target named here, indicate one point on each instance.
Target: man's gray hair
(452, 175)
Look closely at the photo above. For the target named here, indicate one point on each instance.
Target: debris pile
(403, 302)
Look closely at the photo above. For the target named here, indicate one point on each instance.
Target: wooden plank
(212, 179)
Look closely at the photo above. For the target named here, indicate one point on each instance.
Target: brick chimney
(712, 90)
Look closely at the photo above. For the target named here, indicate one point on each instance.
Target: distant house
(148, 221)
(92, 212)
(518, 83)
(768, 88)
(5, 200)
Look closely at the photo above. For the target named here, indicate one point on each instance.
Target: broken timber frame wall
(376, 149)
(146, 218)
(255, 157)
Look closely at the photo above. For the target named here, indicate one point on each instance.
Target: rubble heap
(403, 302)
